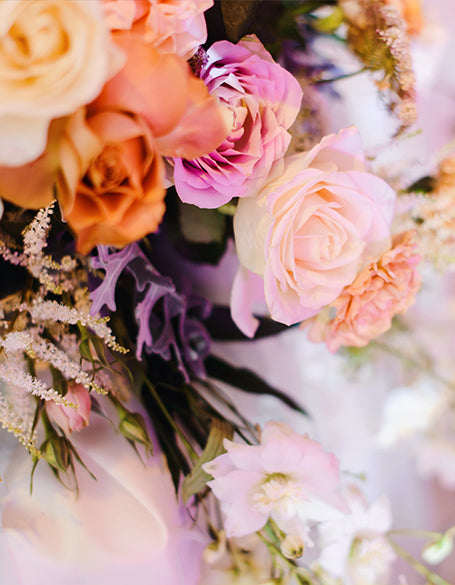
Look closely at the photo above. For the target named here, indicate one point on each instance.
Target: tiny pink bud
(71, 419)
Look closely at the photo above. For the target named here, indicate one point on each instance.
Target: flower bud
(132, 427)
(216, 549)
(292, 546)
(57, 453)
(68, 418)
(438, 550)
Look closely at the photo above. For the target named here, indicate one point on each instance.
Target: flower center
(107, 170)
(279, 493)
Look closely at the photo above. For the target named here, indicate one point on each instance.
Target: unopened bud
(132, 426)
(216, 549)
(438, 550)
(57, 453)
(292, 546)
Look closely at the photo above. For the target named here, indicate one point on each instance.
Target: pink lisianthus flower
(170, 26)
(264, 100)
(288, 478)
(70, 418)
(310, 231)
(365, 308)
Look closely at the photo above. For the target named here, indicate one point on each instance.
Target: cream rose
(54, 57)
(311, 230)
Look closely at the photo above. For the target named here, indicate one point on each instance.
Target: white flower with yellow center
(288, 478)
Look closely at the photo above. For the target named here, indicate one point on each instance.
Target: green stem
(431, 577)
(400, 355)
(275, 549)
(417, 533)
(192, 453)
(340, 77)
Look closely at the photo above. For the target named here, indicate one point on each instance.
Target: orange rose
(111, 180)
(185, 119)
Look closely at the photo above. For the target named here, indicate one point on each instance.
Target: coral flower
(171, 26)
(111, 181)
(365, 309)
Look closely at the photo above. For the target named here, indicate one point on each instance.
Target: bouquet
(225, 297)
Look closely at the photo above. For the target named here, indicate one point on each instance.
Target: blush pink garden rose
(54, 57)
(71, 419)
(170, 26)
(365, 308)
(310, 231)
(264, 100)
(288, 478)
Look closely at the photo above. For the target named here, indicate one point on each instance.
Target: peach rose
(71, 419)
(365, 309)
(54, 57)
(38, 190)
(111, 179)
(184, 118)
(171, 26)
(312, 229)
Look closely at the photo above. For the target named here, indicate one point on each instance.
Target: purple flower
(264, 100)
(172, 328)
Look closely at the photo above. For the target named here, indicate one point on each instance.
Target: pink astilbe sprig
(54, 276)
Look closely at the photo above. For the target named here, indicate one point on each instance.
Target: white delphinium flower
(288, 478)
(410, 410)
(355, 548)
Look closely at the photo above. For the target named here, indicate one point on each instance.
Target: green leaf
(330, 23)
(198, 478)
(246, 380)
(424, 185)
(59, 381)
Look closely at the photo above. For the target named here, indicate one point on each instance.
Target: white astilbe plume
(12, 373)
(36, 347)
(41, 310)
(18, 425)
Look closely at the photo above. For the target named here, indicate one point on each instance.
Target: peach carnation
(365, 309)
